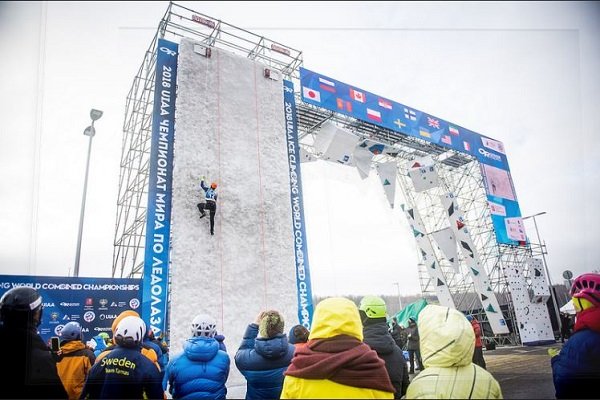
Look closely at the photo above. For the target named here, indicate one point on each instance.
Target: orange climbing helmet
(213, 185)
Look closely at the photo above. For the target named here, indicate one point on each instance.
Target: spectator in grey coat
(413, 345)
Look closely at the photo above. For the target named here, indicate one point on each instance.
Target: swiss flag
(358, 96)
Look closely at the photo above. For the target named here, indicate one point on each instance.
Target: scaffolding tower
(459, 173)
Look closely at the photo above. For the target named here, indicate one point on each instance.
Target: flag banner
(160, 191)
(349, 100)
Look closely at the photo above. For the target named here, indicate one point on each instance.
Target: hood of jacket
(447, 338)
(336, 316)
(201, 348)
(272, 348)
(379, 338)
(71, 346)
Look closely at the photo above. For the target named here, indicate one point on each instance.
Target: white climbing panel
(428, 256)
(532, 319)
(477, 271)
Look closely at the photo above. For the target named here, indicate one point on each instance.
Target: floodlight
(95, 114)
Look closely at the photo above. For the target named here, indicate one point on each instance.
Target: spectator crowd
(349, 351)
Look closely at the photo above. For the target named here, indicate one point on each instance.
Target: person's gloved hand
(553, 351)
(203, 178)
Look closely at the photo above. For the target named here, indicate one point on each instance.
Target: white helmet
(130, 331)
(204, 325)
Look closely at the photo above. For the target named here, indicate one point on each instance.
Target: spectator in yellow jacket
(335, 363)
(76, 360)
(447, 344)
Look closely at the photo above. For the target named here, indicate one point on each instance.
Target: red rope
(220, 244)
(261, 197)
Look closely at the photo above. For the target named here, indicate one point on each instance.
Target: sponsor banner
(326, 92)
(93, 302)
(158, 217)
(305, 304)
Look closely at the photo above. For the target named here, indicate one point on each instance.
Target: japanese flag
(311, 94)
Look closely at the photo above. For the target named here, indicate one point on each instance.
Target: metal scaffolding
(177, 22)
(459, 173)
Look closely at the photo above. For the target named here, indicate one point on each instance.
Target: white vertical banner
(477, 271)
(387, 174)
(428, 257)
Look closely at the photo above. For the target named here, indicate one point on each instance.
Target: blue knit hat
(298, 334)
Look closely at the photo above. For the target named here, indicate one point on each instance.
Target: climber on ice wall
(210, 195)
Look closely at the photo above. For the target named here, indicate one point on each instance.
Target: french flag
(467, 146)
(374, 115)
(327, 85)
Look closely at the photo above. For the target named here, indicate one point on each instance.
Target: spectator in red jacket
(478, 353)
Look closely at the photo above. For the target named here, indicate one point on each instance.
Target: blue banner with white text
(158, 216)
(323, 91)
(93, 302)
(305, 304)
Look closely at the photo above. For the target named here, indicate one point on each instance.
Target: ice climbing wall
(230, 126)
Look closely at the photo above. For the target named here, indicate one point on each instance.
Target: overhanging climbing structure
(473, 252)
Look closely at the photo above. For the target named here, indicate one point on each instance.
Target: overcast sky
(524, 73)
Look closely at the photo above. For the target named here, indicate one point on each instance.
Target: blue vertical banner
(158, 215)
(305, 304)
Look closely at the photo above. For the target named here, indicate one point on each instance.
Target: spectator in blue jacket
(101, 343)
(576, 368)
(264, 355)
(125, 373)
(201, 371)
(149, 341)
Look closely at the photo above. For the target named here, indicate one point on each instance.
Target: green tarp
(411, 310)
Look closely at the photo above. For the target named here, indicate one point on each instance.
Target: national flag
(385, 103)
(358, 96)
(410, 114)
(467, 146)
(340, 103)
(311, 94)
(374, 115)
(433, 122)
(424, 132)
(453, 131)
(446, 139)
(327, 85)
(399, 123)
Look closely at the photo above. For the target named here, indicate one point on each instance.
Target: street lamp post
(552, 294)
(89, 131)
